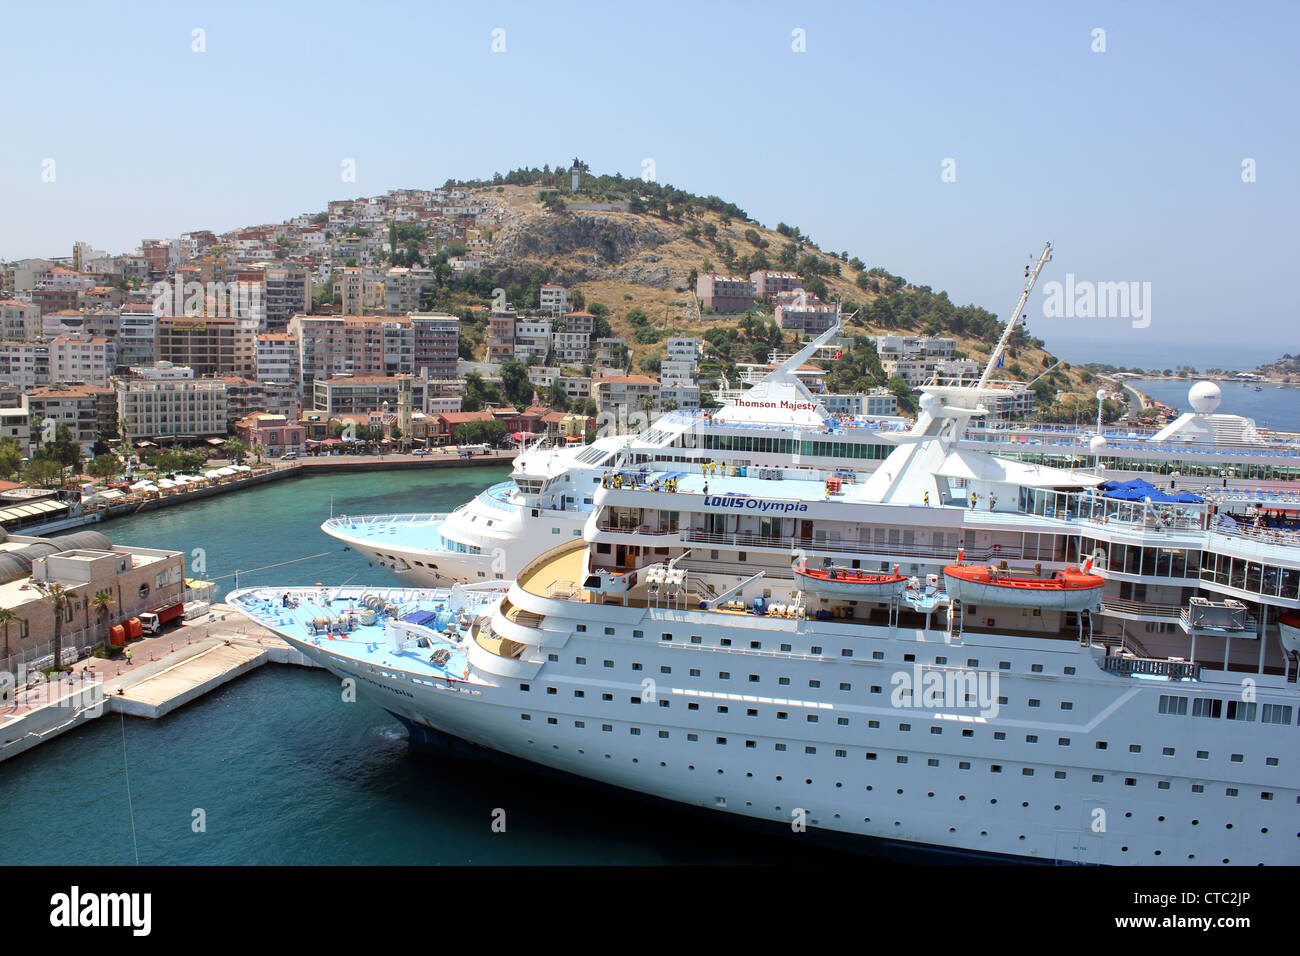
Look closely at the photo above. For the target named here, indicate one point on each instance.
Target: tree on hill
(514, 381)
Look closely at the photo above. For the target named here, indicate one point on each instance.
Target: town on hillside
(426, 319)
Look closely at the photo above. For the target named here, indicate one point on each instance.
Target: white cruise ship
(550, 493)
(961, 655)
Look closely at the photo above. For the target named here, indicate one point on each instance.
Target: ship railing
(350, 521)
(1260, 536)
(1169, 612)
(632, 528)
(1125, 666)
(743, 539)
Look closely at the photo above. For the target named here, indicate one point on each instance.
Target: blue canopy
(1139, 490)
(420, 617)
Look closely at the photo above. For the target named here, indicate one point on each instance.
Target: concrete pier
(167, 672)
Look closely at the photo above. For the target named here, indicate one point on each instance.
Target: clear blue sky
(1128, 160)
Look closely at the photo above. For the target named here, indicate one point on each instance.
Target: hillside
(647, 260)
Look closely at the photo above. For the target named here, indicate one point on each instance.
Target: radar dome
(928, 402)
(1204, 397)
(1097, 443)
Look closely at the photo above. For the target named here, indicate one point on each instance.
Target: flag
(998, 363)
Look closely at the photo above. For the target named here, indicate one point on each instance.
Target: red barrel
(117, 635)
(134, 629)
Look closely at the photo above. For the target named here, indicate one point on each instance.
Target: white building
(82, 358)
(554, 299)
(174, 407)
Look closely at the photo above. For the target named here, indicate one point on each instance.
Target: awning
(216, 441)
(145, 444)
(34, 510)
(110, 494)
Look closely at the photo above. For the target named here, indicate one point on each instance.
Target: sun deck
(436, 615)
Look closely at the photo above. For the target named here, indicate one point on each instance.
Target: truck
(153, 621)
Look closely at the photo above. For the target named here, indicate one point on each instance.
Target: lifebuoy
(997, 548)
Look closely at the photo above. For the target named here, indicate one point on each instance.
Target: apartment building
(679, 395)
(877, 402)
(363, 393)
(571, 348)
(246, 397)
(87, 410)
(172, 407)
(333, 345)
(532, 339)
(810, 318)
(554, 299)
(275, 434)
(402, 289)
(722, 293)
(436, 338)
(82, 358)
(276, 359)
(611, 353)
(769, 283)
(19, 321)
(579, 322)
(501, 335)
(137, 339)
(288, 293)
(631, 393)
(25, 364)
(210, 345)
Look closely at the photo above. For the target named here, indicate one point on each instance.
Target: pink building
(724, 293)
(275, 434)
(769, 283)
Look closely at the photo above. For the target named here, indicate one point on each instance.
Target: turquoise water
(285, 772)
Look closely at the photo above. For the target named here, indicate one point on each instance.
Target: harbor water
(276, 768)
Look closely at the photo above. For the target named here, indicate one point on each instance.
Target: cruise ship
(962, 655)
(551, 490)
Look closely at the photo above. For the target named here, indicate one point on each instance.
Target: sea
(274, 768)
(1273, 406)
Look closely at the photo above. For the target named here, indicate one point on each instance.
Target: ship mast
(1032, 276)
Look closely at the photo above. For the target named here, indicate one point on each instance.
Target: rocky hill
(644, 254)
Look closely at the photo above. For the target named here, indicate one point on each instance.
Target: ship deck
(368, 644)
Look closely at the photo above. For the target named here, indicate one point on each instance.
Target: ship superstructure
(864, 657)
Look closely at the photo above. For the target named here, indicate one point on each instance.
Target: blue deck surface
(364, 643)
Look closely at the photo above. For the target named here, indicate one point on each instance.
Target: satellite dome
(1204, 397)
(928, 402)
(1097, 443)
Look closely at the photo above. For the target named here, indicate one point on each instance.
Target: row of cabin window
(1212, 707)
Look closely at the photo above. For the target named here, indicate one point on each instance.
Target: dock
(167, 672)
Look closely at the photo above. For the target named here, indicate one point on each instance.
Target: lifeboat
(852, 583)
(1289, 626)
(1074, 589)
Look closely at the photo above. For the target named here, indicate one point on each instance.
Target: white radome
(1097, 443)
(1204, 397)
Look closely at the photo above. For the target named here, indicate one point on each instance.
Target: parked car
(420, 451)
(289, 456)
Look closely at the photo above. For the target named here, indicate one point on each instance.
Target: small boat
(852, 582)
(1289, 626)
(1074, 589)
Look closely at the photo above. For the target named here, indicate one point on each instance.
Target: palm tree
(102, 602)
(7, 616)
(60, 597)
(235, 449)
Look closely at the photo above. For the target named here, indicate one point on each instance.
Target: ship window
(607, 727)
(1098, 778)
(873, 724)
(580, 660)
(909, 657)
(755, 645)
(841, 753)
(1102, 745)
(781, 715)
(941, 660)
(995, 768)
(695, 639)
(635, 699)
(638, 633)
(815, 649)
(1270, 762)
(750, 744)
(875, 688)
(1002, 700)
(751, 712)
(551, 720)
(1198, 788)
(550, 690)
(904, 727)
(1059, 775)
(968, 732)
(1241, 710)
(1026, 771)
(665, 669)
(1168, 751)
(525, 687)
(725, 642)
(963, 765)
(936, 730)
(1277, 714)
(608, 663)
(1237, 758)
(869, 755)
(695, 672)
(634, 731)
(553, 658)
(1265, 795)
(877, 655)
(580, 724)
(581, 627)
(663, 735)
(636, 666)
(753, 678)
(972, 662)
(901, 758)
(1004, 665)
(1069, 671)
(1036, 668)
(663, 701)
(780, 746)
(814, 683)
(1033, 702)
(1031, 738)
(844, 686)
(999, 735)
(692, 706)
(846, 652)
(525, 717)
(785, 647)
(1202, 755)
(1231, 792)
(724, 675)
(722, 708)
(783, 680)
(609, 630)
(665, 636)
(1067, 705)
(1130, 781)
(579, 693)
(1162, 785)
(1207, 707)
(811, 718)
(932, 762)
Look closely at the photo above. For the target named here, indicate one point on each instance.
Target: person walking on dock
(128, 656)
